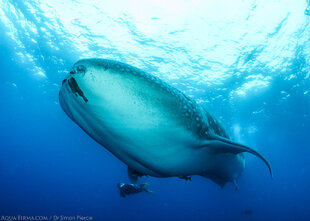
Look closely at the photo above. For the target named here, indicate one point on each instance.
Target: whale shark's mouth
(70, 86)
(76, 89)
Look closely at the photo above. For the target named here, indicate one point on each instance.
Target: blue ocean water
(247, 62)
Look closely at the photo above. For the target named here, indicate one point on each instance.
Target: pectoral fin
(222, 145)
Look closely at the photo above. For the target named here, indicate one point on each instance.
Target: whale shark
(154, 128)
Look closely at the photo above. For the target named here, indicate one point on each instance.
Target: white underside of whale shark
(152, 127)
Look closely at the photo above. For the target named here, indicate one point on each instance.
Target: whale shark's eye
(81, 68)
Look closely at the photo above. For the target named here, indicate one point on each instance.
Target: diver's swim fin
(148, 191)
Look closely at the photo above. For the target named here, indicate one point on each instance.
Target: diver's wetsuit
(127, 189)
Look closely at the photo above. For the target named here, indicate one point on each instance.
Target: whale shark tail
(222, 145)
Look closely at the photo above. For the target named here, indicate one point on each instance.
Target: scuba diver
(127, 189)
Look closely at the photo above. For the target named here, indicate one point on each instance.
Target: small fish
(247, 212)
